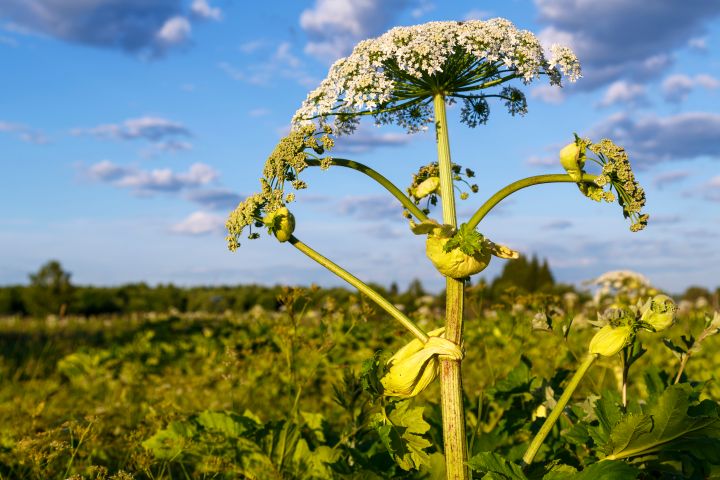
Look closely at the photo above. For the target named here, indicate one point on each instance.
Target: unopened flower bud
(610, 340)
(572, 159)
(281, 223)
(426, 187)
(416, 365)
(659, 312)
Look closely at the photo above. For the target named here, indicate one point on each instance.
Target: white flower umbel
(394, 77)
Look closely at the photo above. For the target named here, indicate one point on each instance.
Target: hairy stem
(557, 411)
(450, 374)
(491, 202)
(389, 186)
(362, 287)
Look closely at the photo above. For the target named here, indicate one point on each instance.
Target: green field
(278, 394)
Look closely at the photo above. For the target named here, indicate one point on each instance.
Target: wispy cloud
(652, 139)
(282, 63)
(161, 132)
(24, 133)
(669, 178)
(333, 27)
(370, 207)
(151, 181)
(366, 139)
(215, 199)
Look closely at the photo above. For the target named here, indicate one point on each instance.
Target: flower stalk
(450, 370)
(362, 287)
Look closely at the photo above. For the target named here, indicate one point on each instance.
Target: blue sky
(129, 129)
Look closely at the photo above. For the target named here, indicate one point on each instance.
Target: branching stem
(389, 186)
(557, 411)
(491, 202)
(362, 287)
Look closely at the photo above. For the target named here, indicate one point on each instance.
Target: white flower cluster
(395, 76)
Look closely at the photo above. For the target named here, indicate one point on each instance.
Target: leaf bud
(572, 158)
(610, 340)
(455, 263)
(281, 223)
(426, 187)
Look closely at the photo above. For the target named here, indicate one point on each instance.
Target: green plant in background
(407, 77)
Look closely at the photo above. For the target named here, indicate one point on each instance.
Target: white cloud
(175, 31)
(335, 26)
(623, 92)
(137, 26)
(618, 39)
(150, 181)
(422, 9)
(698, 43)
(200, 223)
(676, 88)
(201, 9)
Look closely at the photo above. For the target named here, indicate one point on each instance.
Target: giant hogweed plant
(407, 77)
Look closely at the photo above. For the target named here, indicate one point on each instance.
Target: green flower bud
(415, 365)
(610, 340)
(281, 223)
(426, 187)
(658, 312)
(455, 263)
(572, 159)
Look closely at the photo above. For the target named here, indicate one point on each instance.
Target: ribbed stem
(450, 372)
(557, 411)
(362, 287)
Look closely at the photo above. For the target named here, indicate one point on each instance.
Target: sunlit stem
(362, 287)
(557, 411)
(389, 186)
(519, 185)
(450, 374)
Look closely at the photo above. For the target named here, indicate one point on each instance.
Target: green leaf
(403, 437)
(467, 239)
(661, 424)
(170, 442)
(495, 467)
(230, 425)
(608, 470)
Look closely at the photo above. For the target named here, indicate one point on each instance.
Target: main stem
(456, 455)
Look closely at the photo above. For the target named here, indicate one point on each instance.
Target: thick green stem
(450, 374)
(362, 287)
(557, 411)
(389, 186)
(519, 185)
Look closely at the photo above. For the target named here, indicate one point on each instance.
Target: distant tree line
(50, 291)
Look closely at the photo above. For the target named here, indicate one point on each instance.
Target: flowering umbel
(394, 77)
